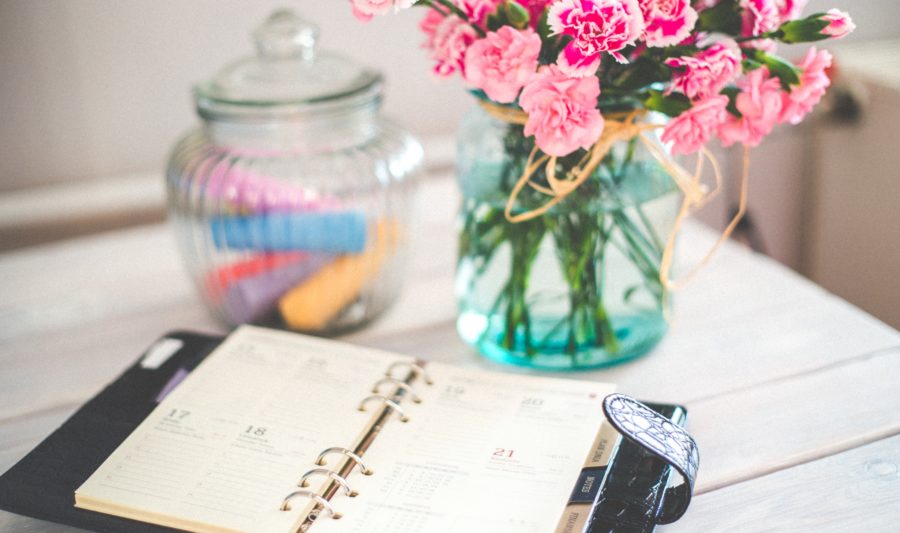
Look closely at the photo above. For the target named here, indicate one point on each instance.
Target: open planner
(279, 432)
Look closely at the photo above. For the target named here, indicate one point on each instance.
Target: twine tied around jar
(623, 127)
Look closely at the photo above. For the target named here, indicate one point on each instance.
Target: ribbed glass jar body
(301, 224)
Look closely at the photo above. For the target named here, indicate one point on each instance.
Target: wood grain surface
(792, 392)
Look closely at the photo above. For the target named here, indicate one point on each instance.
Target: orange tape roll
(315, 303)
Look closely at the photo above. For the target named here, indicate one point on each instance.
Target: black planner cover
(42, 485)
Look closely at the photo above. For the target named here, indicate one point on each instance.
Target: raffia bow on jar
(623, 127)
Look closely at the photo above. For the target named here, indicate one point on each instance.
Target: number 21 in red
(503, 452)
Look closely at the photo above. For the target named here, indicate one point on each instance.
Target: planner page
(482, 452)
(222, 451)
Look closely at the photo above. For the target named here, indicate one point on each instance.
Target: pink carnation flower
(839, 24)
(667, 22)
(763, 16)
(760, 16)
(562, 111)
(365, 9)
(596, 26)
(447, 38)
(502, 62)
(760, 106)
(790, 9)
(814, 82)
(707, 73)
(478, 10)
(691, 130)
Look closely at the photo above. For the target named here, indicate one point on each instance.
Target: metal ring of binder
(417, 369)
(320, 460)
(396, 382)
(330, 473)
(286, 503)
(387, 401)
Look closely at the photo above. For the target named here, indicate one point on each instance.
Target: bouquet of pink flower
(708, 64)
(576, 86)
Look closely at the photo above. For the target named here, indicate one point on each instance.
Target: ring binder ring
(286, 503)
(333, 475)
(320, 460)
(414, 368)
(388, 402)
(398, 383)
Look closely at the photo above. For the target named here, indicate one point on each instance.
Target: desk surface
(792, 392)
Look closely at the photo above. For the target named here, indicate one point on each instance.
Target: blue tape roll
(334, 232)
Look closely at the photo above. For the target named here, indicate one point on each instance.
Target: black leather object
(42, 485)
(635, 496)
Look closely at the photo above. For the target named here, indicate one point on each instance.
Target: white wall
(94, 88)
(101, 87)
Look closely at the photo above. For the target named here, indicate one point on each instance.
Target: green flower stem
(646, 263)
(775, 34)
(525, 240)
(629, 157)
(649, 271)
(581, 240)
(637, 241)
(602, 320)
(623, 171)
(651, 231)
(572, 239)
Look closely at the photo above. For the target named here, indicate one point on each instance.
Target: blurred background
(94, 93)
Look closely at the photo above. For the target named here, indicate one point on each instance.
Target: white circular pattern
(669, 442)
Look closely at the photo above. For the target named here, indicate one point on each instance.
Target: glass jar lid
(287, 77)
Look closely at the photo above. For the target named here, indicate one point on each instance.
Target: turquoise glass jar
(577, 287)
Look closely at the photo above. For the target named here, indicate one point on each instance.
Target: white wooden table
(794, 395)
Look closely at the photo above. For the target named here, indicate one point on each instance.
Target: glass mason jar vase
(577, 287)
(290, 202)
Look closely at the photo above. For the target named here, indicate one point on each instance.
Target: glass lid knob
(286, 36)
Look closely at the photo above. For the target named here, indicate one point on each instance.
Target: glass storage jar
(291, 201)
